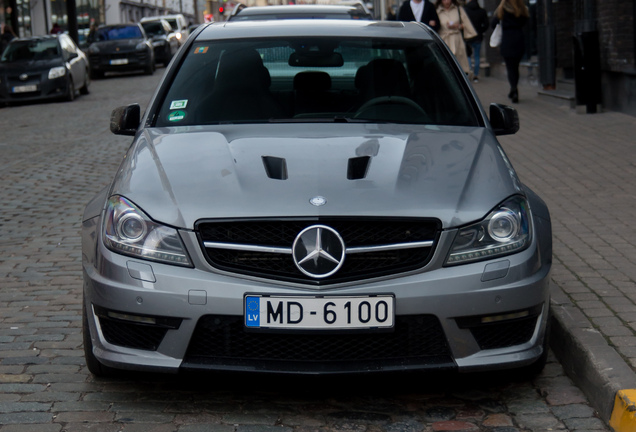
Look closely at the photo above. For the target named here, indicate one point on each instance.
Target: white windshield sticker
(178, 104)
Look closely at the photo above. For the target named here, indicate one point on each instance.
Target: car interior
(317, 80)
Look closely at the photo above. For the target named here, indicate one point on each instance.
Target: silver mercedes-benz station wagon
(315, 196)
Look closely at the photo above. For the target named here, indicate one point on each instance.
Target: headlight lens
(128, 231)
(141, 46)
(93, 49)
(57, 72)
(506, 230)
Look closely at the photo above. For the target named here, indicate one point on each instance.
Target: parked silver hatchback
(315, 196)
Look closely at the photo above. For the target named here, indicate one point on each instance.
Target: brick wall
(616, 33)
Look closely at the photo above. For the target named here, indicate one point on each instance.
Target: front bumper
(44, 89)
(124, 62)
(438, 307)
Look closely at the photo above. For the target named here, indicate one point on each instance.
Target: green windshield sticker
(178, 104)
(176, 116)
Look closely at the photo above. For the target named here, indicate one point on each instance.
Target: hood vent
(358, 167)
(275, 167)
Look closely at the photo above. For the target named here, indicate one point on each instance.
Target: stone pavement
(54, 157)
(584, 167)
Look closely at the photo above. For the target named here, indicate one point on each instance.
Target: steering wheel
(390, 100)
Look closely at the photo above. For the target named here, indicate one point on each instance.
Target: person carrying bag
(479, 19)
(455, 25)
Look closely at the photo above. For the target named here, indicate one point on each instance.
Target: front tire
(70, 95)
(87, 80)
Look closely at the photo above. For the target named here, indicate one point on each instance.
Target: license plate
(319, 313)
(25, 88)
(119, 61)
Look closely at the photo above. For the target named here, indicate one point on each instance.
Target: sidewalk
(584, 167)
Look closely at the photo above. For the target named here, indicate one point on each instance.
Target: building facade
(36, 17)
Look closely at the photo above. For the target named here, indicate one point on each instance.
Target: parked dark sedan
(164, 40)
(121, 48)
(43, 67)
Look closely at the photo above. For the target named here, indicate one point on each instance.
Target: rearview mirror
(503, 119)
(124, 120)
(316, 59)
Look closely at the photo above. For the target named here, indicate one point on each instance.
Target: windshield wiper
(336, 119)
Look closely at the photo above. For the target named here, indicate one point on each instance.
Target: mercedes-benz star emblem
(23, 77)
(318, 251)
(318, 201)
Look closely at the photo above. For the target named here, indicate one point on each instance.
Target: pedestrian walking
(479, 19)
(7, 36)
(455, 27)
(513, 15)
(419, 10)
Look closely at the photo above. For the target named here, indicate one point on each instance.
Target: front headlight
(506, 230)
(129, 231)
(93, 49)
(141, 46)
(57, 72)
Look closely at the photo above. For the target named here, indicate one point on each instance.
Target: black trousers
(512, 68)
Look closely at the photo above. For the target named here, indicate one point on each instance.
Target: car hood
(30, 67)
(181, 175)
(121, 45)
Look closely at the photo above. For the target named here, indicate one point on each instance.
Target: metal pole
(546, 44)
(71, 12)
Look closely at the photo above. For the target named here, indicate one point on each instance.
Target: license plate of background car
(25, 88)
(115, 62)
(319, 313)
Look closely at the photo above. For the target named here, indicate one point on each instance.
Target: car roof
(119, 25)
(298, 9)
(317, 28)
(38, 38)
(154, 18)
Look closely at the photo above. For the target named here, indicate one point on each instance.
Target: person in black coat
(424, 8)
(513, 15)
(479, 19)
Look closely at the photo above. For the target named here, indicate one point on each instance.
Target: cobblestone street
(55, 157)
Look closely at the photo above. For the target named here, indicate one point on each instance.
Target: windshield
(173, 23)
(153, 28)
(314, 80)
(31, 50)
(118, 33)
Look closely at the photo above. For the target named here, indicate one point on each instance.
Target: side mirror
(504, 119)
(125, 120)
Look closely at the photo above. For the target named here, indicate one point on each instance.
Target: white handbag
(495, 37)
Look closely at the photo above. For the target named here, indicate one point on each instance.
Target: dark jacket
(429, 14)
(513, 43)
(479, 19)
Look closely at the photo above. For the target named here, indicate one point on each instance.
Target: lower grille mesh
(505, 334)
(222, 338)
(132, 335)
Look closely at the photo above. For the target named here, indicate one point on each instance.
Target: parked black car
(43, 67)
(164, 40)
(121, 48)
